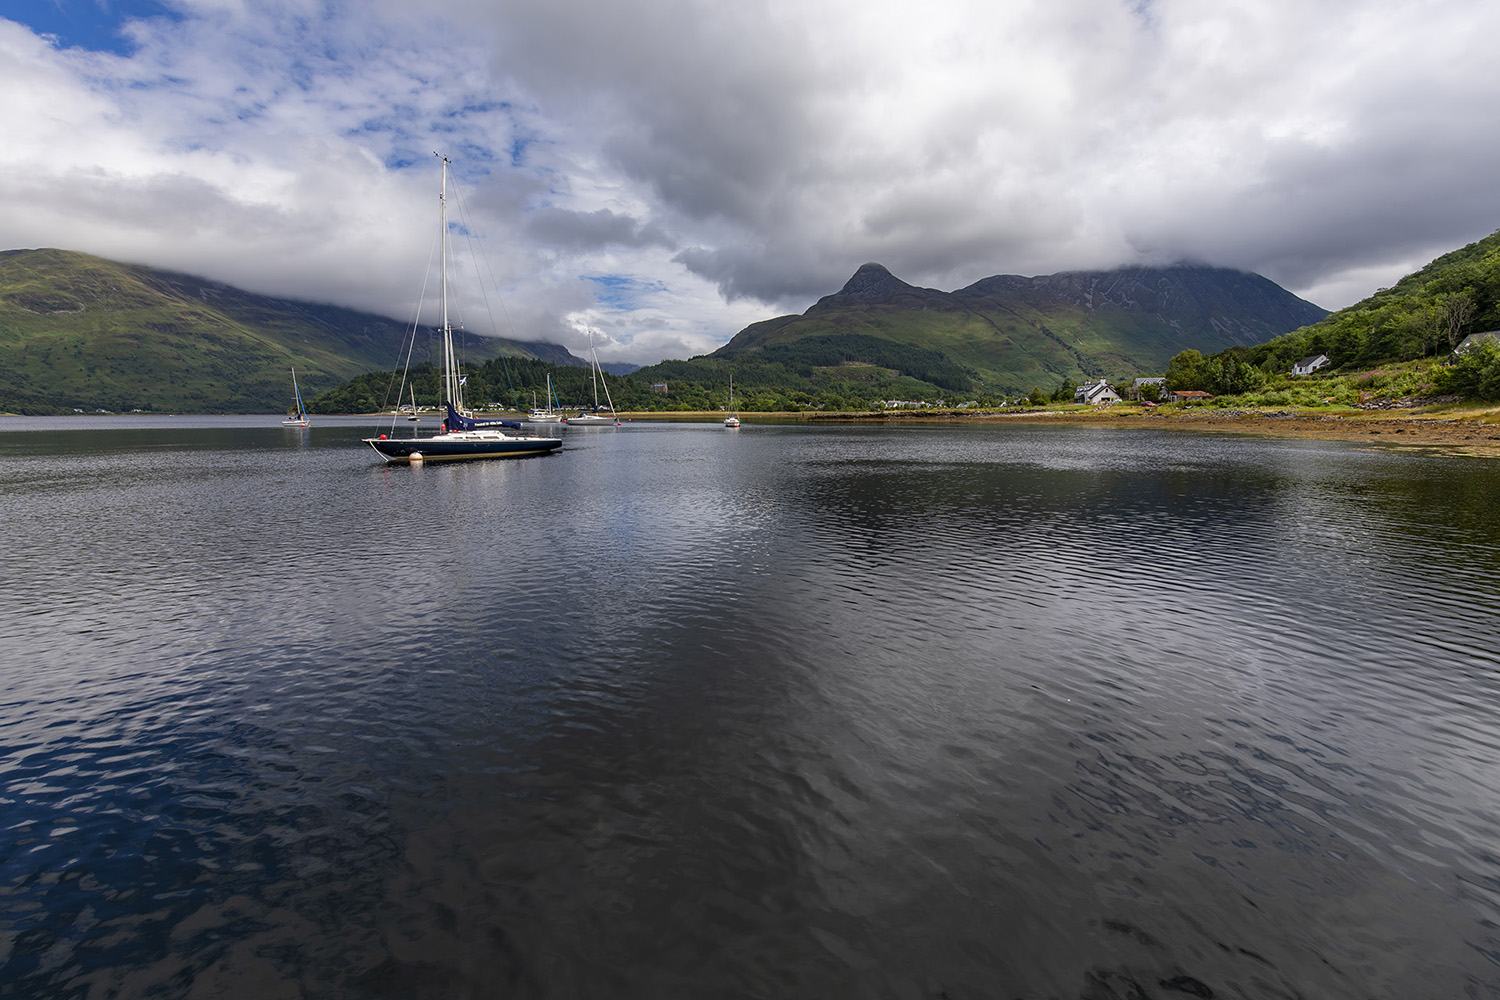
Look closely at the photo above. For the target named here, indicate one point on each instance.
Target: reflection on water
(906, 712)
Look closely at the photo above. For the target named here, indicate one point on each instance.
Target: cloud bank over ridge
(666, 172)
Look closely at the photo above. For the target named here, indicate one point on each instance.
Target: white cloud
(727, 162)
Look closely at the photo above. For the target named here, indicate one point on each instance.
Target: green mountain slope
(1425, 314)
(78, 331)
(1008, 333)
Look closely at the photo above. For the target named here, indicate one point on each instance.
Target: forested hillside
(1397, 344)
(1425, 314)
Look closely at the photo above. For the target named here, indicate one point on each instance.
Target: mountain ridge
(81, 331)
(78, 331)
(1015, 332)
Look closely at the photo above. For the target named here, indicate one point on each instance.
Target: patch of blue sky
(164, 82)
(618, 291)
(95, 25)
(408, 134)
(479, 108)
(519, 145)
(468, 158)
(395, 138)
(403, 159)
(464, 117)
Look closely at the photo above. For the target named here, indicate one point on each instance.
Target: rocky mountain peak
(872, 281)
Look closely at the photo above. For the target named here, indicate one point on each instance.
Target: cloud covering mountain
(667, 171)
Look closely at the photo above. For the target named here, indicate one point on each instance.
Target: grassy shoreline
(1463, 428)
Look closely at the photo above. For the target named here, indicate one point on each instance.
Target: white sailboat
(462, 436)
(548, 414)
(298, 416)
(595, 417)
(733, 419)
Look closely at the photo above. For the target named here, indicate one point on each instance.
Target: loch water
(930, 711)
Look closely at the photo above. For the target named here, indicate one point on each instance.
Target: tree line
(840, 376)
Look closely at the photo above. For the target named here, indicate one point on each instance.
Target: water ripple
(796, 711)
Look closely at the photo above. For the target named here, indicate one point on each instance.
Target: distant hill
(78, 331)
(1009, 333)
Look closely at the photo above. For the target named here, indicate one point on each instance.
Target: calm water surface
(1010, 712)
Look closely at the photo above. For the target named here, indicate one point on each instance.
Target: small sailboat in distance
(548, 414)
(733, 419)
(297, 416)
(595, 417)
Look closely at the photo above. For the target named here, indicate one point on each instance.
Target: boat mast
(450, 362)
(594, 370)
(599, 377)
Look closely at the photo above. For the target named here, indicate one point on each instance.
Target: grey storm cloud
(602, 228)
(1298, 140)
(727, 162)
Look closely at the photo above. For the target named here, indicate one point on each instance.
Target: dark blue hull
(450, 448)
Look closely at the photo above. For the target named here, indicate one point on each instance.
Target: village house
(1185, 396)
(1309, 365)
(1096, 393)
(1134, 392)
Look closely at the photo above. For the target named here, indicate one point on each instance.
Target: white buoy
(415, 458)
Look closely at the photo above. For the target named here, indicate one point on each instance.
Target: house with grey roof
(1096, 393)
(1134, 392)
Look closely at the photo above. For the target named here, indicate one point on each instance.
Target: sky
(665, 172)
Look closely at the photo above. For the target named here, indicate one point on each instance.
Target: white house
(1097, 393)
(1309, 365)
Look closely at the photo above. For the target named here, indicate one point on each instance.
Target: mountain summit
(871, 283)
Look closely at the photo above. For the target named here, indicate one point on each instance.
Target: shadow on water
(928, 712)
